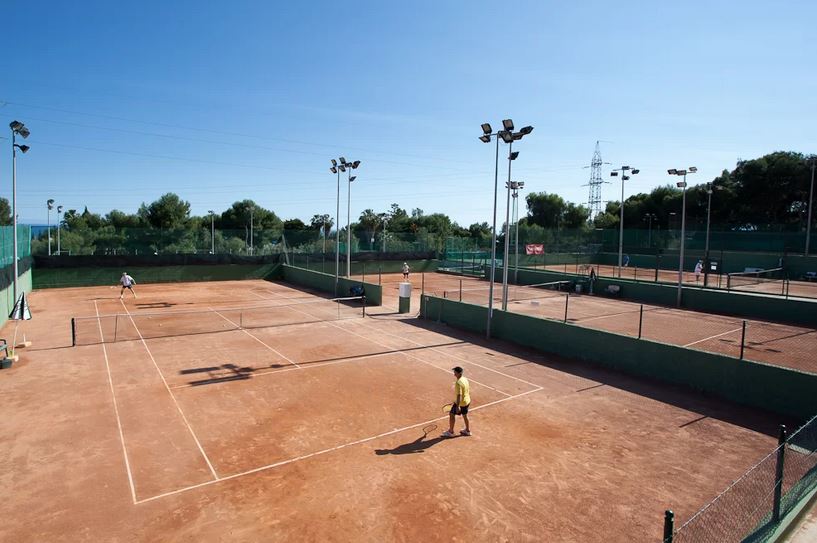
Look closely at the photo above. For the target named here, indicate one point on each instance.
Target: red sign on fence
(535, 249)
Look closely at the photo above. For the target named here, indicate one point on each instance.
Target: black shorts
(129, 287)
(463, 410)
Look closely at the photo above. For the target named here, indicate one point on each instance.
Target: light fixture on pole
(349, 166)
(50, 204)
(59, 227)
(624, 177)
(516, 186)
(810, 202)
(508, 137)
(336, 170)
(16, 128)
(683, 186)
(212, 232)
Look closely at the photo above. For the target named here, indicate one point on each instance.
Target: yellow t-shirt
(463, 389)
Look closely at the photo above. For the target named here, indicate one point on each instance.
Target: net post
(460, 289)
(640, 320)
(73, 332)
(115, 327)
(778, 477)
(380, 275)
(742, 339)
(669, 525)
(423, 282)
(363, 272)
(240, 319)
(364, 307)
(567, 300)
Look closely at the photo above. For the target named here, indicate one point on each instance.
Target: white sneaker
(447, 434)
(465, 432)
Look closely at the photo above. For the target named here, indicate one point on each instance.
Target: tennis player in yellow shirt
(461, 404)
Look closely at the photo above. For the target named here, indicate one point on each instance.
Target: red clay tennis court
(320, 424)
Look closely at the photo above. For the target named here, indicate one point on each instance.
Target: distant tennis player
(406, 270)
(699, 267)
(461, 404)
(127, 282)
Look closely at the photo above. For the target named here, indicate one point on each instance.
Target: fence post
(460, 289)
(380, 275)
(640, 320)
(363, 272)
(742, 339)
(567, 299)
(669, 525)
(74, 332)
(778, 476)
(364, 307)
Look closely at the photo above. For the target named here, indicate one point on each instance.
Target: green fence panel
(325, 282)
(781, 390)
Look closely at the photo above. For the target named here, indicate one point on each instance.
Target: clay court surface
(328, 431)
(768, 342)
(792, 289)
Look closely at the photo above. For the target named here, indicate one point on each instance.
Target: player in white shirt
(127, 282)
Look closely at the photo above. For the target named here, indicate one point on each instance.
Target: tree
(169, 211)
(545, 209)
(323, 223)
(294, 224)
(5, 212)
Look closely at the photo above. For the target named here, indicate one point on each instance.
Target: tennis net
(757, 280)
(516, 293)
(135, 326)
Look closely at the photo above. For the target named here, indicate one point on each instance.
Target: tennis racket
(447, 408)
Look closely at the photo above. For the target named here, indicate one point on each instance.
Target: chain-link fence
(7, 243)
(771, 343)
(753, 506)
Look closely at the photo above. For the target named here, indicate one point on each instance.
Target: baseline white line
(255, 338)
(178, 407)
(407, 354)
(330, 449)
(713, 337)
(431, 347)
(116, 409)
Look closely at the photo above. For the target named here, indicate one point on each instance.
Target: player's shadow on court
(219, 374)
(419, 445)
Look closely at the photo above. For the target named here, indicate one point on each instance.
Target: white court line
(407, 354)
(116, 408)
(178, 407)
(713, 337)
(310, 366)
(462, 359)
(325, 451)
(256, 339)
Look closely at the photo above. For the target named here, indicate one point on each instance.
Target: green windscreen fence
(7, 243)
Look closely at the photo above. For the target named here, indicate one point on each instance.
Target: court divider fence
(781, 390)
(325, 282)
(799, 312)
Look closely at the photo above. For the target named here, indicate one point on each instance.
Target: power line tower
(594, 200)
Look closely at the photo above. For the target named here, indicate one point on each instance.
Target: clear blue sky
(220, 101)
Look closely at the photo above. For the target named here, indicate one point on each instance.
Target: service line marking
(325, 451)
(256, 339)
(172, 396)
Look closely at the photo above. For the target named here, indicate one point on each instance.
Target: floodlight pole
(337, 236)
(810, 201)
(349, 225)
(212, 233)
(14, 207)
(621, 228)
(493, 245)
(683, 186)
(507, 233)
(709, 188)
(516, 229)
(50, 205)
(252, 248)
(59, 228)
